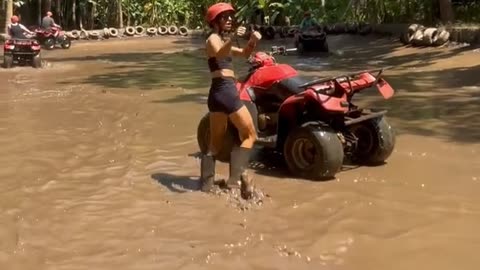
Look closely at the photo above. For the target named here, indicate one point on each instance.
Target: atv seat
(280, 91)
(288, 87)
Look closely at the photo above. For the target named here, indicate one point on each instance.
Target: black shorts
(223, 96)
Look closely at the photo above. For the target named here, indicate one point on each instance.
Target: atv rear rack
(346, 77)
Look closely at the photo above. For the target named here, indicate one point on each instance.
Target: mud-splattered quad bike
(314, 124)
(311, 41)
(21, 51)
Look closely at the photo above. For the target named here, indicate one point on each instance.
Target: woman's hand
(255, 36)
(241, 31)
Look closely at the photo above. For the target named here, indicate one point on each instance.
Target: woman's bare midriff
(223, 73)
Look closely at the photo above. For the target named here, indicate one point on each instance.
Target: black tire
(269, 33)
(300, 48)
(49, 43)
(37, 61)
(7, 61)
(325, 46)
(66, 43)
(376, 141)
(324, 163)
(203, 139)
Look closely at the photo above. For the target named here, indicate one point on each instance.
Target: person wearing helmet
(308, 22)
(224, 101)
(16, 30)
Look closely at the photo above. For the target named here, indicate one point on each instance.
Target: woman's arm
(244, 52)
(248, 49)
(219, 49)
(25, 29)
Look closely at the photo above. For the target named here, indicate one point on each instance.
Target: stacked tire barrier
(129, 31)
(419, 35)
(410, 34)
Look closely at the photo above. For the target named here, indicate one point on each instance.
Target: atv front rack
(346, 77)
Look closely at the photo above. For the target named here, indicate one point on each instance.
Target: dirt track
(99, 168)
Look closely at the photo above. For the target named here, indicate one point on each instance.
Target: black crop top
(217, 64)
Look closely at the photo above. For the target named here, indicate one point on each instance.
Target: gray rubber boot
(207, 172)
(239, 161)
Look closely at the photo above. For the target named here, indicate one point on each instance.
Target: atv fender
(290, 115)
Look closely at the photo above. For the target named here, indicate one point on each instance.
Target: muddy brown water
(99, 169)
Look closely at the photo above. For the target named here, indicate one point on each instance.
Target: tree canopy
(96, 14)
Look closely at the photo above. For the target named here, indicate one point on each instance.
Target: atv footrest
(268, 141)
(365, 117)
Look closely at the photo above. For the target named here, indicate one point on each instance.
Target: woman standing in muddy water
(224, 101)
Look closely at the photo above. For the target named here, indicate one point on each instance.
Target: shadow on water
(177, 183)
(447, 105)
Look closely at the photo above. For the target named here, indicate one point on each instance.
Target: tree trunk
(91, 21)
(47, 6)
(446, 11)
(81, 17)
(74, 13)
(39, 12)
(58, 12)
(120, 14)
(8, 14)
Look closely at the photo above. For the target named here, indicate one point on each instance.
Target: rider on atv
(48, 22)
(308, 23)
(17, 30)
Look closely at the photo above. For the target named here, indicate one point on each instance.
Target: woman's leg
(243, 121)
(240, 156)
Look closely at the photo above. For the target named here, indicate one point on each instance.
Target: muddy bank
(99, 167)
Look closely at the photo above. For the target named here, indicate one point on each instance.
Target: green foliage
(191, 12)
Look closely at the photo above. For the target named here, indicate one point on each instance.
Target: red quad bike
(314, 124)
(21, 51)
(51, 37)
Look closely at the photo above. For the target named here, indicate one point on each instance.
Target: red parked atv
(314, 124)
(51, 37)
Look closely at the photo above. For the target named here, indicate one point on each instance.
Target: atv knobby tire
(323, 142)
(203, 138)
(37, 61)
(66, 43)
(7, 61)
(50, 43)
(376, 141)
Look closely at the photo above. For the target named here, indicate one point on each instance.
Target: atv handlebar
(282, 50)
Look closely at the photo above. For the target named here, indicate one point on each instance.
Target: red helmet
(216, 9)
(14, 19)
(261, 59)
